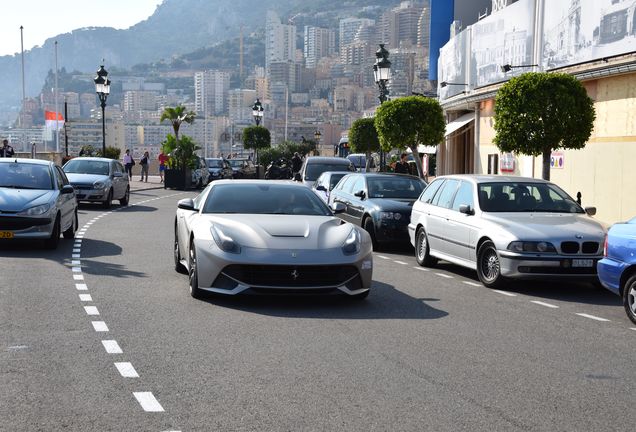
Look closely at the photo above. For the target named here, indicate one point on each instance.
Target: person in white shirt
(128, 163)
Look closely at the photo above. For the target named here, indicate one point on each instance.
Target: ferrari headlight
(36, 211)
(351, 245)
(224, 241)
(531, 246)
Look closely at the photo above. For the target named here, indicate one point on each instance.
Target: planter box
(177, 179)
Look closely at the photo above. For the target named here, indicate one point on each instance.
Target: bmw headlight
(36, 211)
(351, 245)
(531, 246)
(224, 241)
(390, 215)
(98, 185)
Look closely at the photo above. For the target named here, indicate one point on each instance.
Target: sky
(43, 19)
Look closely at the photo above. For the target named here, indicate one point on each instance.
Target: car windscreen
(254, 198)
(313, 170)
(237, 163)
(25, 176)
(79, 166)
(358, 161)
(525, 197)
(215, 163)
(335, 178)
(395, 187)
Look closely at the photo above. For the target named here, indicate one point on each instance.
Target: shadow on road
(109, 269)
(384, 302)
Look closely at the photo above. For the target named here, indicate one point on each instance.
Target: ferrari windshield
(25, 176)
(525, 197)
(258, 198)
(84, 166)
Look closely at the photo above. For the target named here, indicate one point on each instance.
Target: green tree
(409, 122)
(182, 152)
(363, 137)
(256, 138)
(177, 116)
(113, 152)
(538, 112)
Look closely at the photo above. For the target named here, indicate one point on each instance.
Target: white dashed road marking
(85, 298)
(148, 402)
(112, 347)
(100, 326)
(540, 303)
(401, 262)
(78, 277)
(421, 269)
(81, 287)
(592, 317)
(91, 310)
(475, 284)
(383, 257)
(77, 269)
(126, 370)
(505, 293)
(444, 275)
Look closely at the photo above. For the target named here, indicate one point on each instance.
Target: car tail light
(605, 246)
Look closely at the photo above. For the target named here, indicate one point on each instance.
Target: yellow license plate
(6, 234)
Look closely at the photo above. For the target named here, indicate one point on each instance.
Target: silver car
(506, 227)
(98, 180)
(262, 236)
(36, 201)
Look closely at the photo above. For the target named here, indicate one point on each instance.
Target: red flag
(49, 119)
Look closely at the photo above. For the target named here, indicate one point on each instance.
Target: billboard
(577, 31)
(452, 65)
(505, 37)
(441, 19)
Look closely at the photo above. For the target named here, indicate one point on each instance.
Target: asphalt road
(114, 342)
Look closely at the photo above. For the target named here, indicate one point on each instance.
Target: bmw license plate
(6, 234)
(582, 263)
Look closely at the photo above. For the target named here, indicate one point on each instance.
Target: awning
(458, 123)
(423, 149)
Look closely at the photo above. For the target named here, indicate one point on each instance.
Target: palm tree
(176, 116)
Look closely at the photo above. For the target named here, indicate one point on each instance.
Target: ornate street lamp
(257, 112)
(507, 67)
(445, 83)
(102, 88)
(382, 75)
(317, 136)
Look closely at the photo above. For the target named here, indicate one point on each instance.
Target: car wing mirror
(321, 188)
(360, 194)
(338, 207)
(590, 210)
(297, 177)
(466, 209)
(67, 189)
(186, 204)
(117, 174)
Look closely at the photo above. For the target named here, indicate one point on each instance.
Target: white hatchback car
(506, 227)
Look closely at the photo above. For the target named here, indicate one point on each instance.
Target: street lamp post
(382, 75)
(102, 88)
(257, 112)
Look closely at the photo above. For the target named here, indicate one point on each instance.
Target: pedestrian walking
(144, 162)
(297, 164)
(128, 163)
(162, 164)
(6, 151)
(402, 166)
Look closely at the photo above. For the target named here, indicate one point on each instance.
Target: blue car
(617, 271)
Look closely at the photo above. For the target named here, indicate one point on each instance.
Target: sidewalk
(154, 182)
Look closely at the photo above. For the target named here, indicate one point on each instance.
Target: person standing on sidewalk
(128, 163)
(162, 164)
(144, 162)
(6, 150)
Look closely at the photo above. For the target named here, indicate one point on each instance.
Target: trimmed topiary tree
(538, 112)
(256, 138)
(363, 138)
(408, 122)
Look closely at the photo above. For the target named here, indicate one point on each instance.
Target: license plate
(582, 263)
(6, 234)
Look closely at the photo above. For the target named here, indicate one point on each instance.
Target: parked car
(98, 180)
(200, 173)
(359, 161)
(36, 202)
(313, 166)
(379, 202)
(261, 236)
(326, 182)
(219, 169)
(617, 270)
(506, 228)
(243, 168)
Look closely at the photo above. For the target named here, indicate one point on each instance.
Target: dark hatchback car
(380, 203)
(219, 168)
(243, 168)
